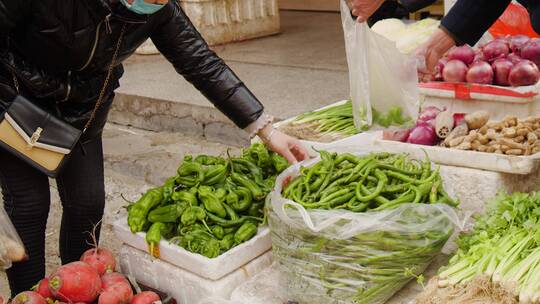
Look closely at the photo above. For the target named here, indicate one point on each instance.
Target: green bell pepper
(211, 202)
(138, 212)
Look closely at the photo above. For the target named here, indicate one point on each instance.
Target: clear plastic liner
(380, 76)
(338, 256)
(11, 247)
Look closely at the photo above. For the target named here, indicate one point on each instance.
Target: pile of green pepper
(375, 182)
(211, 205)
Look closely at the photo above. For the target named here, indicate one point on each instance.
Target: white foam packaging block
(461, 158)
(212, 269)
(184, 286)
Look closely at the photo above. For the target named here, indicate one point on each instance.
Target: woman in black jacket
(57, 53)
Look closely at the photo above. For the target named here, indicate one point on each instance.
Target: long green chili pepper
(242, 180)
(240, 199)
(227, 223)
(382, 180)
(215, 174)
(154, 235)
(190, 174)
(137, 214)
(185, 196)
(211, 202)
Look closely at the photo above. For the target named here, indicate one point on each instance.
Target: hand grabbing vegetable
(433, 50)
(289, 147)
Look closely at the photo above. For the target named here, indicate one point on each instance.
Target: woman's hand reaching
(287, 146)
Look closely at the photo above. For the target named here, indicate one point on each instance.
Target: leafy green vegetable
(504, 245)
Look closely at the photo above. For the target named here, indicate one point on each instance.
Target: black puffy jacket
(60, 51)
(468, 20)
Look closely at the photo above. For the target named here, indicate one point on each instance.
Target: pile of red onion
(511, 61)
(426, 128)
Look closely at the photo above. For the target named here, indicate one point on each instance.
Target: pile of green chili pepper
(211, 205)
(392, 231)
(374, 182)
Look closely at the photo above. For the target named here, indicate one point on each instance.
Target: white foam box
(223, 21)
(470, 159)
(212, 269)
(466, 98)
(182, 285)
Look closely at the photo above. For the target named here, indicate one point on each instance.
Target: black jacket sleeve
(178, 40)
(12, 12)
(468, 20)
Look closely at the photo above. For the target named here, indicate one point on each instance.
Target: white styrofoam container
(467, 98)
(223, 21)
(460, 158)
(184, 286)
(212, 269)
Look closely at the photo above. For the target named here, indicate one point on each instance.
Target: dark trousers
(27, 201)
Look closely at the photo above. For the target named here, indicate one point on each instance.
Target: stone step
(152, 157)
(154, 97)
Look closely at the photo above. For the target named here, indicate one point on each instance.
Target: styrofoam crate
(182, 285)
(460, 158)
(212, 269)
(467, 98)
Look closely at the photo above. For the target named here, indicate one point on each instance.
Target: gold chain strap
(16, 84)
(99, 101)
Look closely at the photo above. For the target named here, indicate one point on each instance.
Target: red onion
(514, 58)
(459, 118)
(480, 72)
(479, 56)
(501, 69)
(439, 68)
(495, 49)
(429, 113)
(454, 71)
(531, 51)
(464, 53)
(423, 134)
(524, 73)
(396, 135)
(517, 42)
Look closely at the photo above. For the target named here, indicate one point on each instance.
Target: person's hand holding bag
(363, 9)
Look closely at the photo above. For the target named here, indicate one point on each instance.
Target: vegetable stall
(388, 192)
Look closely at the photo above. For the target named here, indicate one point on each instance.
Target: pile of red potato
(90, 280)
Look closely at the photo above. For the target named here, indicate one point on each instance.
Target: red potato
(145, 297)
(43, 289)
(100, 259)
(2, 300)
(116, 289)
(75, 282)
(29, 297)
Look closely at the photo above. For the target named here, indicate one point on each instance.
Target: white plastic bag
(343, 257)
(380, 76)
(11, 247)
